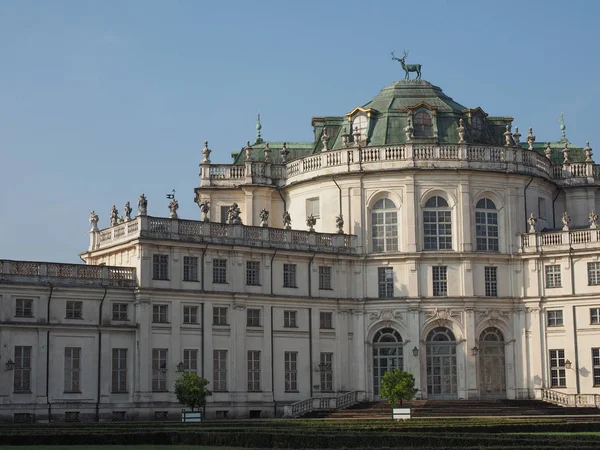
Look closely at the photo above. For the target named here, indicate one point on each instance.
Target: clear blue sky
(103, 100)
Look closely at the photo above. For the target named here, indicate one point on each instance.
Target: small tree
(397, 385)
(191, 391)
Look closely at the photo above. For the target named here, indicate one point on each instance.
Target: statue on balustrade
(311, 221)
(142, 205)
(532, 221)
(339, 224)
(173, 207)
(205, 209)
(114, 216)
(233, 215)
(264, 218)
(93, 221)
(287, 220)
(593, 220)
(128, 212)
(566, 220)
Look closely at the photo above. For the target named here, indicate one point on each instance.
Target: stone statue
(566, 220)
(205, 209)
(264, 217)
(530, 138)
(173, 207)
(142, 205)
(287, 220)
(267, 153)
(508, 137)
(311, 221)
(517, 137)
(247, 150)
(206, 154)
(128, 211)
(345, 138)
(114, 216)
(325, 140)
(588, 152)
(593, 220)
(408, 67)
(339, 224)
(356, 136)
(566, 159)
(284, 153)
(233, 215)
(93, 221)
(409, 131)
(461, 132)
(548, 151)
(532, 221)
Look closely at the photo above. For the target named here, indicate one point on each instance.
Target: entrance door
(387, 354)
(441, 364)
(492, 379)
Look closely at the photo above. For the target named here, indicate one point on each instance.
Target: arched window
(437, 225)
(387, 354)
(360, 124)
(441, 364)
(441, 334)
(486, 226)
(423, 125)
(491, 334)
(384, 226)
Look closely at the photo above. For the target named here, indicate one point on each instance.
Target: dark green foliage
(397, 385)
(191, 391)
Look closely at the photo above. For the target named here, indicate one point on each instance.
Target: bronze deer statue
(408, 67)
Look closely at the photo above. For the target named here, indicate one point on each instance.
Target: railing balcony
(560, 240)
(568, 400)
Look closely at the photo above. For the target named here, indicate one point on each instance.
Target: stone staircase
(457, 408)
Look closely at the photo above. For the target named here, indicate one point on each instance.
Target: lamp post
(10, 365)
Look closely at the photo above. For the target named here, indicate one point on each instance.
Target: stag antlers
(405, 54)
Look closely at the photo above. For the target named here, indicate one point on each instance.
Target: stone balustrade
(568, 400)
(66, 274)
(560, 240)
(220, 233)
(341, 401)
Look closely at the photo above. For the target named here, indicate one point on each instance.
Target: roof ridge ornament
(563, 127)
(259, 139)
(408, 67)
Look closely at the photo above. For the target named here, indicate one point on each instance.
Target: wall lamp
(415, 351)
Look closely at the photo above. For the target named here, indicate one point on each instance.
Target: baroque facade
(436, 240)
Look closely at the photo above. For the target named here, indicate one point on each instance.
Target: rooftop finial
(563, 127)
(258, 128)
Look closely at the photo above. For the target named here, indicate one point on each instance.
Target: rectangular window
(289, 319)
(596, 366)
(253, 273)
(119, 311)
(219, 271)
(253, 370)
(541, 207)
(325, 320)
(160, 313)
(253, 317)
(595, 316)
(24, 307)
(289, 275)
(291, 371)
(160, 267)
(440, 281)
(385, 276)
(219, 315)
(491, 282)
(553, 276)
(22, 371)
(593, 273)
(190, 268)
(326, 370)
(555, 318)
(219, 370)
(119, 370)
(312, 207)
(190, 360)
(558, 377)
(324, 277)
(159, 369)
(224, 213)
(72, 369)
(190, 314)
(74, 310)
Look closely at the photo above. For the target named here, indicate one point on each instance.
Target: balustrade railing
(532, 242)
(569, 400)
(341, 401)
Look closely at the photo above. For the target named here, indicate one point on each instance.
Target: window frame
(593, 269)
(325, 278)
(159, 369)
(22, 371)
(595, 316)
(190, 314)
(190, 360)
(289, 275)
(72, 366)
(385, 282)
(558, 372)
(160, 313)
(190, 268)
(119, 371)
(160, 266)
(555, 318)
(437, 225)
(423, 128)
(253, 321)
(439, 278)
(384, 226)
(219, 271)
(220, 314)
(487, 226)
(596, 366)
(325, 320)
(326, 376)
(253, 370)
(253, 273)
(120, 311)
(219, 370)
(74, 309)
(290, 318)
(491, 281)
(24, 308)
(290, 364)
(310, 207)
(553, 276)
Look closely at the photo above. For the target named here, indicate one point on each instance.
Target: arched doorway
(441, 364)
(387, 354)
(492, 378)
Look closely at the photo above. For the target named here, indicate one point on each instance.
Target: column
(143, 370)
(464, 219)
(471, 360)
(411, 211)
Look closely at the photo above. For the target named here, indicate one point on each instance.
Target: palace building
(412, 232)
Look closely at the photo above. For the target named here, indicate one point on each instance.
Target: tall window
(555, 318)
(291, 371)
(24, 307)
(440, 281)
(72, 369)
(219, 315)
(159, 369)
(486, 226)
(324, 277)
(22, 371)
(326, 370)
(253, 273)
(119, 311)
(160, 313)
(558, 377)
(190, 314)
(253, 370)
(325, 320)
(491, 281)
(219, 271)
(289, 275)
(224, 213)
(220, 370)
(312, 207)
(190, 360)
(437, 224)
(190, 268)
(119, 370)
(385, 277)
(74, 310)
(553, 276)
(290, 319)
(360, 124)
(253, 317)
(160, 267)
(423, 124)
(477, 125)
(595, 316)
(593, 273)
(384, 226)
(596, 365)
(541, 207)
